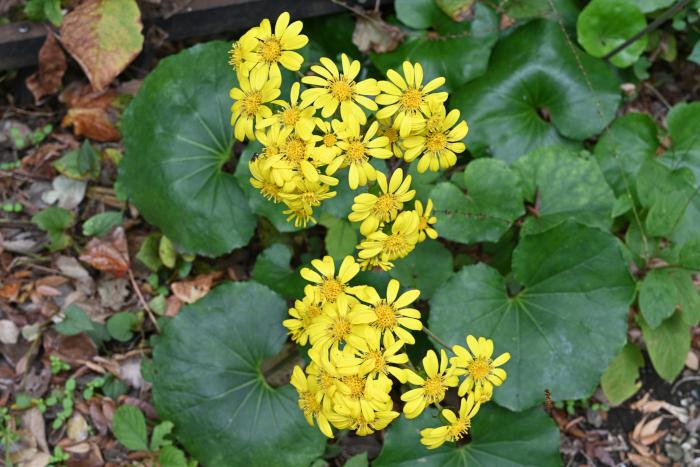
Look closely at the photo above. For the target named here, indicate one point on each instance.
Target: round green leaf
(459, 60)
(129, 427)
(668, 345)
(563, 186)
(177, 136)
(99, 224)
(427, 267)
(649, 6)
(119, 326)
(657, 297)
(272, 269)
(575, 279)
(416, 14)
(492, 202)
(531, 438)
(568, 10)
(208, 381)
(635, 139)
(619, 382)
(683, 121)
(606, 24)
(531, 71)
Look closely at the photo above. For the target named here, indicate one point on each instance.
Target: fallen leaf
(637, 432)
(40, 459)
(651, 439)
(191, 291)
(33, 421)
(691, 361)
(88, 112)
(680, 413)
(77, 428)
(113, 291)
(373, 33)
(52, 66)
(98, 417)
(51, 281)
(174, 305)
(69, 192)
(640, 448)
(130, 372)
(650, 427)
(641, 461)
(9, 332)
(640, 403)
(108, 253)
(84, 455)
(9, 290)
(142, 405)
(103, 36)
(24, 448)
(70, 349)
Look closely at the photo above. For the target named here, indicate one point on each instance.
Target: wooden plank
(20, 42)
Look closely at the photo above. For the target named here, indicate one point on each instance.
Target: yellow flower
(439, 146)
(403, 239)
(273, 141)
(457, 428)
(339, 89)
(294, 156)
(262, 180)
(481, 370)
(328, 287)
(329, 149)
(276, 49)
(389, 315)
(363, 395)
(300, 216)
(425, 222)
(310, 401)
(254, 92)
(240, 55)
(303, 313)
(336, 326)
(300, 118)
(356, 151)
(435, 115)
(377, 362)
(309, 194)
(391, 131)
(342, 418)
(323, 367)
(374, 210)
(406, 101)
(432, 389)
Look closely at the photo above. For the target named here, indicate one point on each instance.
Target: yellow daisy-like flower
(363, 395)
(330, 288)
(425, 222)
(481, 370)
(435, 115)
(357, 150)
(391, 131)
(309, 194)
(339, 89)
(276, 49)
(374, 210)
(303, 313)
(407, 99)
(310, 401)
(439, 146)
(254, 93)
(403, 239)
(262, 180)
(342, 418)
(329, 149)
(273, 141)
(294, 156)
(389, 315)
(300, 118)
(378, 361)
(300, 216)
(240, 55)
(336, 326)
(432, 389)
(323, 367)
(457, 428)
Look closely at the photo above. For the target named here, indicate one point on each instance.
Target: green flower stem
(437, 339)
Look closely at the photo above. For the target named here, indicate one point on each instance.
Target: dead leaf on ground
(40, 459)
(130, 372)
(641, 461)
(33, 421)
(191, 291)
(77, 428)
(71, 349)
(373, 33)
(692, 361)
(52, 66)
(84, 455)
(174, 305)
(9, 290)
(87, 112)
(108, 253)
(142, 405)
(99, 419)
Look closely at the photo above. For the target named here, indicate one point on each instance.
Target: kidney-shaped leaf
(562, 330)
(208, 381)
(177, 135)
(531, 439)
(533, 78)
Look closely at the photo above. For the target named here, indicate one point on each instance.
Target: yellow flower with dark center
(438, 147)
(273, 140)
(342, 418)
(303, 313)
(308, 195)
(388, 247)
(457, 428)
(363, 395)
(432, 389)
(240, 55)
(357, 149)
(336, 326)
(300, 118)
(339, 89)
(262, 180)
(274, 49)
(328, 287)
(329, 149)
(295, 156)
(374, 210)
(435, 116)
(425, 222)
(251, 98)
(323, 367)
(389, 315)
(378, 361)
(482, 372)
(408, 99)
(391, 131)
(310, 401)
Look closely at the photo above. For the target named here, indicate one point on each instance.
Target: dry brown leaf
(373, 33)
(70, 349)
(640, 403)
(641, 449)
(691, 361)
(650, 427)
(33, 421)
(641, 461)
(637, 432)
(651, 439)
(108, 253)
(174, 305)
(142, 405)
(87, 112)
(679, 412)
(98, 417)
(52, 66)
(84, 455)
(40, 459)
(9, 290)
(191, 291)
(51, 281)
(652, 406)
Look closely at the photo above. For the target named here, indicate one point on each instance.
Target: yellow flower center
(434, 122)
(270, 191)
(356, 152)
(340, 328)
(395, 243)
(236, 56)
(458, 430)
(379, 362)
(485, 398)
(411, 99)
(330, 289)
(436, 142)
(251, 103)
(422, 223)
(296, 149)
(329, 140)
(341, 89)
(360, 424)
(434, 389)
(356, 385)
(392, 134)
(290, 116)
(385, 205)
(270, 151)
(308, 197)
(386, 316)
(325, 380)
(479, 368)
(310, 404)
(270, 50)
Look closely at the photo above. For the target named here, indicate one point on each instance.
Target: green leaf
(649, 6)
(177, 136)
(52, 8)
(635, 139)
(119, 326)
(568, 10)
(504, 113)
(668, 345)
(341, 240)
(619, 382)
(158, 305)
(209, 383)
(690, 254)
(170, 456)
(55, 221)
(574, 278)
(159, 433)
(79, 163)
(34, 9)
(166, 252)
(664, 213)
(330, 36)
(606, 24)
(129, 427)
(688, 298)
(695, 53)
(657, 297)
(75, 322)
(493, 201)
(272, 269)
(412, 272)
(458, 60)
(113, 387)
(531, 438)
(148, 253)
(100, 224)
(622, 205)
(359, 460)
(683, 121)
(566, 187)
(416, 14)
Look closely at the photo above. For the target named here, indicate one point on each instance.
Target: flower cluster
(326, 128)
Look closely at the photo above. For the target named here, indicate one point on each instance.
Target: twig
(684, 380)
(143, 300)
(657, 94)
(437, 339)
